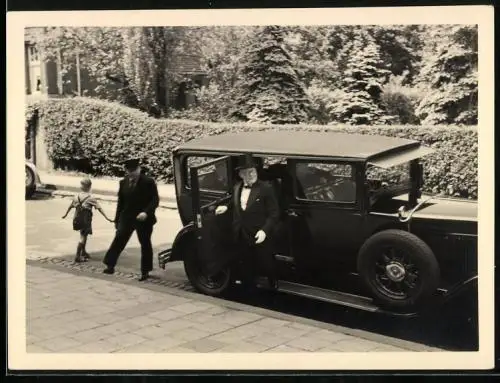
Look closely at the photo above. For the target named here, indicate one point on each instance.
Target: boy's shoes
(108, 270)
(85, 255)
(143, 277)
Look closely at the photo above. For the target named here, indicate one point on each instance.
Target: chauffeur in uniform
(135, 211)
(255, 214)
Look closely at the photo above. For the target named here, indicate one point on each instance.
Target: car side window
(330, 182)
(210, 178)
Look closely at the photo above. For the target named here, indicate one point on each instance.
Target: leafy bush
(322, 100)
(96, 136)
(212, 104)
(400, 101)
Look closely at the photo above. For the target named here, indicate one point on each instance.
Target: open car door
(213, 232)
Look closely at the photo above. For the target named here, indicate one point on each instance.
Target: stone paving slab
(69, 320)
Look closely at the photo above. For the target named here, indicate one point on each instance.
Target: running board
(330, 296)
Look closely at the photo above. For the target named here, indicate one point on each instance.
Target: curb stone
(184, 289)
(61, 192)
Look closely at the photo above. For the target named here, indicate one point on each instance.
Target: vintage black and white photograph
(214, 190)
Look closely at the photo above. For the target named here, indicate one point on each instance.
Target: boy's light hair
(86, 183)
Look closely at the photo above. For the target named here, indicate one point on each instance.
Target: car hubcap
(395, 271)
(216, 281)
(395, 274)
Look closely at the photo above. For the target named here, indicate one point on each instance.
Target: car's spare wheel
(399, 269)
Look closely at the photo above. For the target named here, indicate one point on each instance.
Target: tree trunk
(59, 73)
(78, 78)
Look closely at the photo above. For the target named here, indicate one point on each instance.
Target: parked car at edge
(355, 229)
(32, 178)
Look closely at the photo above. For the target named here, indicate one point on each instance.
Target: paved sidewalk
(76, 313)
(59, 183)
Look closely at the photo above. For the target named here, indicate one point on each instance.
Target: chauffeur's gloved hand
(260, 236)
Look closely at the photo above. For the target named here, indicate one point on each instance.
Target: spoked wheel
(214, 282)
(214, 285)
(399, 269)
(395, 273)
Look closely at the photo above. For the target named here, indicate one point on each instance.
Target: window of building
(329, 182)
(33, 54)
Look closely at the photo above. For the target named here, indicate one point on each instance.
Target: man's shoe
(108, 270)
(143, 277)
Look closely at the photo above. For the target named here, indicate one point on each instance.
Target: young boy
(83, 202)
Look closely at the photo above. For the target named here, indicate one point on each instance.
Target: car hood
(447, 208)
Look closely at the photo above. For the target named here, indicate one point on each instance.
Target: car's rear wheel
(399, 269)
(215, 285)
(30, 182)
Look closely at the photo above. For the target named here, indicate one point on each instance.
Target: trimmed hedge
(95, 136)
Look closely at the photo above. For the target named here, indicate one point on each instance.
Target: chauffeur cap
(132, 163)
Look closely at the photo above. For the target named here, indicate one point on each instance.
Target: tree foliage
(269, 89)
(362, 85)
(449, 76)
(325, 74)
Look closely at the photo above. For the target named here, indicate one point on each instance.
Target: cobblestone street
(80, 314)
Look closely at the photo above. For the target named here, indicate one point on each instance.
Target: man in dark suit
(137, 202)
(255, 215)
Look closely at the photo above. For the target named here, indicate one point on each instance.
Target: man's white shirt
(245, 193)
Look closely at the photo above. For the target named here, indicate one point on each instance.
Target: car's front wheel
(30, 182)
(399, 269)
(214, 285)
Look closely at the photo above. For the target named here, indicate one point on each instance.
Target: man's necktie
(131, 182)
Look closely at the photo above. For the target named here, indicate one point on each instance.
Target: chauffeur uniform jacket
(134, 199)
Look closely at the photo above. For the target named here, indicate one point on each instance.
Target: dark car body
(324, 232)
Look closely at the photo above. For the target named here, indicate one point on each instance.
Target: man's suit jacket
(132, 201)
(261, 213)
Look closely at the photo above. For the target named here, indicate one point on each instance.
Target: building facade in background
(43, 78)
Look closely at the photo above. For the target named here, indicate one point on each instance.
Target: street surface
(50, 236)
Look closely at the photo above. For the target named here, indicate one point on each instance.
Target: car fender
(187, 233)
(35, 172)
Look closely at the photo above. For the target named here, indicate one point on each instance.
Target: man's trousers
(122, 236)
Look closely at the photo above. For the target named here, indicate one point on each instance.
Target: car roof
(302, 143)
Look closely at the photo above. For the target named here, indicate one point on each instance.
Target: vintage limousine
(355, 228)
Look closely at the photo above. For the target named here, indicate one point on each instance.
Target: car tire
(30, 182)
(217, 286)
(399, 269)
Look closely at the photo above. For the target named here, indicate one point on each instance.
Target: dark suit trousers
(260, 257)
(121, 239)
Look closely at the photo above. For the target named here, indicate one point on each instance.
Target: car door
(208, 192)
(325, 218)
(213, 232)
